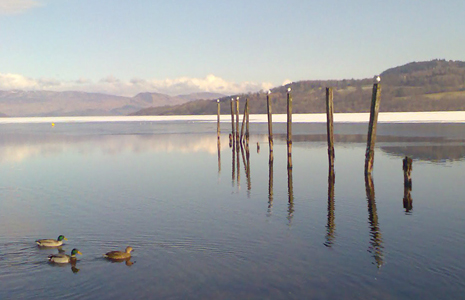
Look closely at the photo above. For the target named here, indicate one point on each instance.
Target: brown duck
(119, 254)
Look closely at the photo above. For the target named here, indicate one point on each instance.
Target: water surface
(231, 227)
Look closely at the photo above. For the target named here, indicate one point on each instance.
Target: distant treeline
(436, 85)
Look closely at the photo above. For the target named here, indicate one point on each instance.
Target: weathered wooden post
(258, 147)
(329, 125)
(237, 122)
(218, 121)
(244, 118)
(270, 125)
(289, 129)
(247, 132)
(232, 121)
(370, 152)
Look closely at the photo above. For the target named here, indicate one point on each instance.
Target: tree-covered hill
(436, 85)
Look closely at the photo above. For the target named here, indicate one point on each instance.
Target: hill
(17, 103)
(436, 85)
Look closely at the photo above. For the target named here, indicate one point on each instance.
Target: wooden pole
(232, 121)
(237, 122)
(270, 125)
(243, 122)
(329, 125)
(247, 132)
(289, 129)
(218, 121)
(370, 152)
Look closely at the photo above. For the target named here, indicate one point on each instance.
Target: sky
(125, 47)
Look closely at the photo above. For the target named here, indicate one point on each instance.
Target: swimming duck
(62, 258)
(119, 254)
(51, 242)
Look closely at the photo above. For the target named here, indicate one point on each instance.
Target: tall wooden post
(232, 121)
(247, 132)
(237, 122)
(244, 118)
(270, 125)
(289, 129)
(370, 152)
(218, 121)
(329, 125)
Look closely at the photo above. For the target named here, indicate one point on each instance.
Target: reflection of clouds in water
(17, 150)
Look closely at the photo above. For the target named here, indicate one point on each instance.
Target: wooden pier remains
(370, 152)
(270, 125)
(329, 126)
(289, 129)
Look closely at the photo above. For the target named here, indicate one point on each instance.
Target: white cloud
(115, 86)
(17, 6)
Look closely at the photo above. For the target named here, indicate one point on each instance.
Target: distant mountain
(17, 103)
(199, 96)
(436, 85)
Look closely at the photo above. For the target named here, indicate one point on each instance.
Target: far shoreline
(383, 117)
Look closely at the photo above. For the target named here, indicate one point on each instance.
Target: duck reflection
(331, 226)
(127, 261)
(376, 241)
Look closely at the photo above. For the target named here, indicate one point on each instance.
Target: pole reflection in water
(270, 184)
(238, 163)
(376, 241)
(219, 157)
(331, 226)
(247, 167)
(408, 206)
(290, 189)
(233, 169)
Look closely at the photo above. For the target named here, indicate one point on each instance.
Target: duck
(119, 254)
(51, 242)
(62, 258)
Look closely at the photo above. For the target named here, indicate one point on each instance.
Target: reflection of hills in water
(17, 148)
(434, 149)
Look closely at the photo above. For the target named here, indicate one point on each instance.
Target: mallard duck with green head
(119, 254)
(62, 258)
(51, 242)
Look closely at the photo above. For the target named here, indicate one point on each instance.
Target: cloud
(115, 86)
(17, 6)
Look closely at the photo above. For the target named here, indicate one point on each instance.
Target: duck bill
(79, 252)
(65, 239)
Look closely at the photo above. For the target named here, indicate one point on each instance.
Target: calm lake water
(229, 227)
